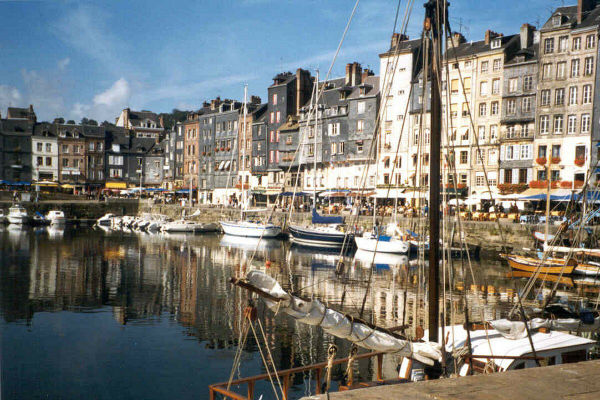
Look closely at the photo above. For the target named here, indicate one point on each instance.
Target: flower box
(541, 160)
(222, 148)
(580, 162)
(555, 160)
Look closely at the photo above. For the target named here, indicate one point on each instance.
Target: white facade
(44, 158)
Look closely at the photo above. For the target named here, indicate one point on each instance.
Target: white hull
(18, 219)
(250, 229)
(394, 246)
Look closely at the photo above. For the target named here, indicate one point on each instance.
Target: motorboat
(382, 243)
(56, 217)
(18, 215)
(183, 225)
(325, 231)
(106, 220)
(253, 229)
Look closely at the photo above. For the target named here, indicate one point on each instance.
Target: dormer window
(496, 43)
(363, 91)
(556, 20)
(342, 95)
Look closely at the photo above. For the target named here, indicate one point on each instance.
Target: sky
(92, 59)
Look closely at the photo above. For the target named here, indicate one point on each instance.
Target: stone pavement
(580, 381)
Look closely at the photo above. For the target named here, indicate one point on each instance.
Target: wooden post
(286, 386)
(380, 367)
(318, 376)
(251, 390)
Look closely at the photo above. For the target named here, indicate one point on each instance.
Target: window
(465, 135)
(542, 151)
(278, 116)
(590, 41)
(525, 130)
(360, 107)
(544, 124)
(496, 43)
(465, 110)
(275, 99)
(548, 45)
(556, 20)
(483, 88)
(497, 64)
(492, 157)
(580, 153)
(585, 123)
(545, 97)
(493, 132)
(494, 108)
(464, 157)
(484, 66)
(454, 86)
(40, 147)
(587, 94)
(555, 150)
(48, 161)
(334, 129)
(65, 149)
(511, 106)
(526, 104)
(561, 70)
(510, 132)
(479, 156)
(272, 136)
(528, 82)
(558, 124)
(563, 43)
(481, 133)
(453, 110)
(482, 109)
(116, 173)
(341, 148)
(48, 147)
(525, 151)
(479, 180)
(359, 146)
(572, 124)
(39, 161)
(541, 175)
(360, 126)
(509, 153)
(512, 84)
(559, 97)
(467, 85)
(547, 71)
(575, 68)
(572, 95)
(589, 66)
(576, 43)
(496, 86)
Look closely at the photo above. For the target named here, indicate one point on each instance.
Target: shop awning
(67, 186)
(534, 194)
(334, 193)
(116, 185)
(391, 193)
(46, 183)
(298, 194)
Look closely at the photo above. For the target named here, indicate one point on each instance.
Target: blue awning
(182, 191)
(298, 194)
(320, 219)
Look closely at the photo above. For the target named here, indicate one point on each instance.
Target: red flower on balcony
(228, 148)
(216, 149)
(580, 162)
(579, 184)
(222, 148)
(541, 160)
(203, 153)
(555, 160)
(566, 184)
(538, 184)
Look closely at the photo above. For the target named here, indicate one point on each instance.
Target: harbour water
(113, 315)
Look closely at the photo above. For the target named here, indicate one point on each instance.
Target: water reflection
(169, 295)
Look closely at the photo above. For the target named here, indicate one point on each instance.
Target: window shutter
(515, 175)
(529, 175)
(338, 128)
(329, 129)
(502, 176)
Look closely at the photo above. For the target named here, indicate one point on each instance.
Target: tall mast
(315, 141)
(243, 147)
(433, 11)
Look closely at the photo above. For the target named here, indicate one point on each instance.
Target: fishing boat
(56, 217)
(543, 266)
(17, 215)
(382, 243)
(331, 234)
(186, 226)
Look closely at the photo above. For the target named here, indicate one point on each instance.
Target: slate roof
(141, 145)
(44, 129)
(569, 14)
(16, 127)
(404, 46)
(136, 117)
(15, 112)
(471, 48)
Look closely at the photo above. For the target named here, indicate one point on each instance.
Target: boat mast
(315, 141)
(433, 46)
(549, 180)
(243, 147)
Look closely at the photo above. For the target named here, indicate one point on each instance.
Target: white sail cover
(335, 323)
(516, 329)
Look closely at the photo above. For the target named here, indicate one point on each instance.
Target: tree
(71, 122)
(106, 123)
(93, 122)
(59, 120)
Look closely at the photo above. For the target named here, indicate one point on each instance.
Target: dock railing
(285, 376)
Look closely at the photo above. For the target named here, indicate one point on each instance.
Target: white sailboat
(245, 227)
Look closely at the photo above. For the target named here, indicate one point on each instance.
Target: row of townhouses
(519, 109)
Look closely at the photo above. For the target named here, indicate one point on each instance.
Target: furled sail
(320, 219)
(333, 322)
(516, 329)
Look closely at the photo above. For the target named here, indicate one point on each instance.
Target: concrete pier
(578, 381)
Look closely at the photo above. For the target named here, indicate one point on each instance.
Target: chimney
(489, 35)
(355, 74)
(396, 39)
(254, 100)
(304, 85)
(348, 73)
(583, 6)
(365, 73)
(126, 117)
(214, 104)
(205, 104)
(526, 35)
(457, 38)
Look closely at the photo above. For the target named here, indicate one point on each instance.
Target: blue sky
(76, 59)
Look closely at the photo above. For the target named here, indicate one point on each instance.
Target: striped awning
(116, 185)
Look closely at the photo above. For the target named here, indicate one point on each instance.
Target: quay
(577, 381)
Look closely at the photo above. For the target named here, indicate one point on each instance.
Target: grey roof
(136, 117)
(569, 18)
(471, 48)
(285, 77)
(404, 46)
(16, 126)
(528, 54)
(44, 129)
(141, 145)
(15, 112)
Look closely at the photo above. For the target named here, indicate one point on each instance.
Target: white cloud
(105, 105)
(64, 63)
(45, 92)
(9, 96)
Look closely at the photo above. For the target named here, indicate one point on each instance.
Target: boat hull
(549, 266)
(18, 219)
(250, 230)
(393, 246)
(587, 269)
(318, 238)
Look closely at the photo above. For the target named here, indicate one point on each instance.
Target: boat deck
(567, 381)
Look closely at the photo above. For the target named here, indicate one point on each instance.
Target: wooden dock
(580, 381)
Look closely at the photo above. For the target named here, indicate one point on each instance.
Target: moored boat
(18, 215)
(56, 217)
(547, 266)
(106, 220)
(253, 229)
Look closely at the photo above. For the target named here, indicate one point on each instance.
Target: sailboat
(490, 346)
(325, 231)
(246, 227)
